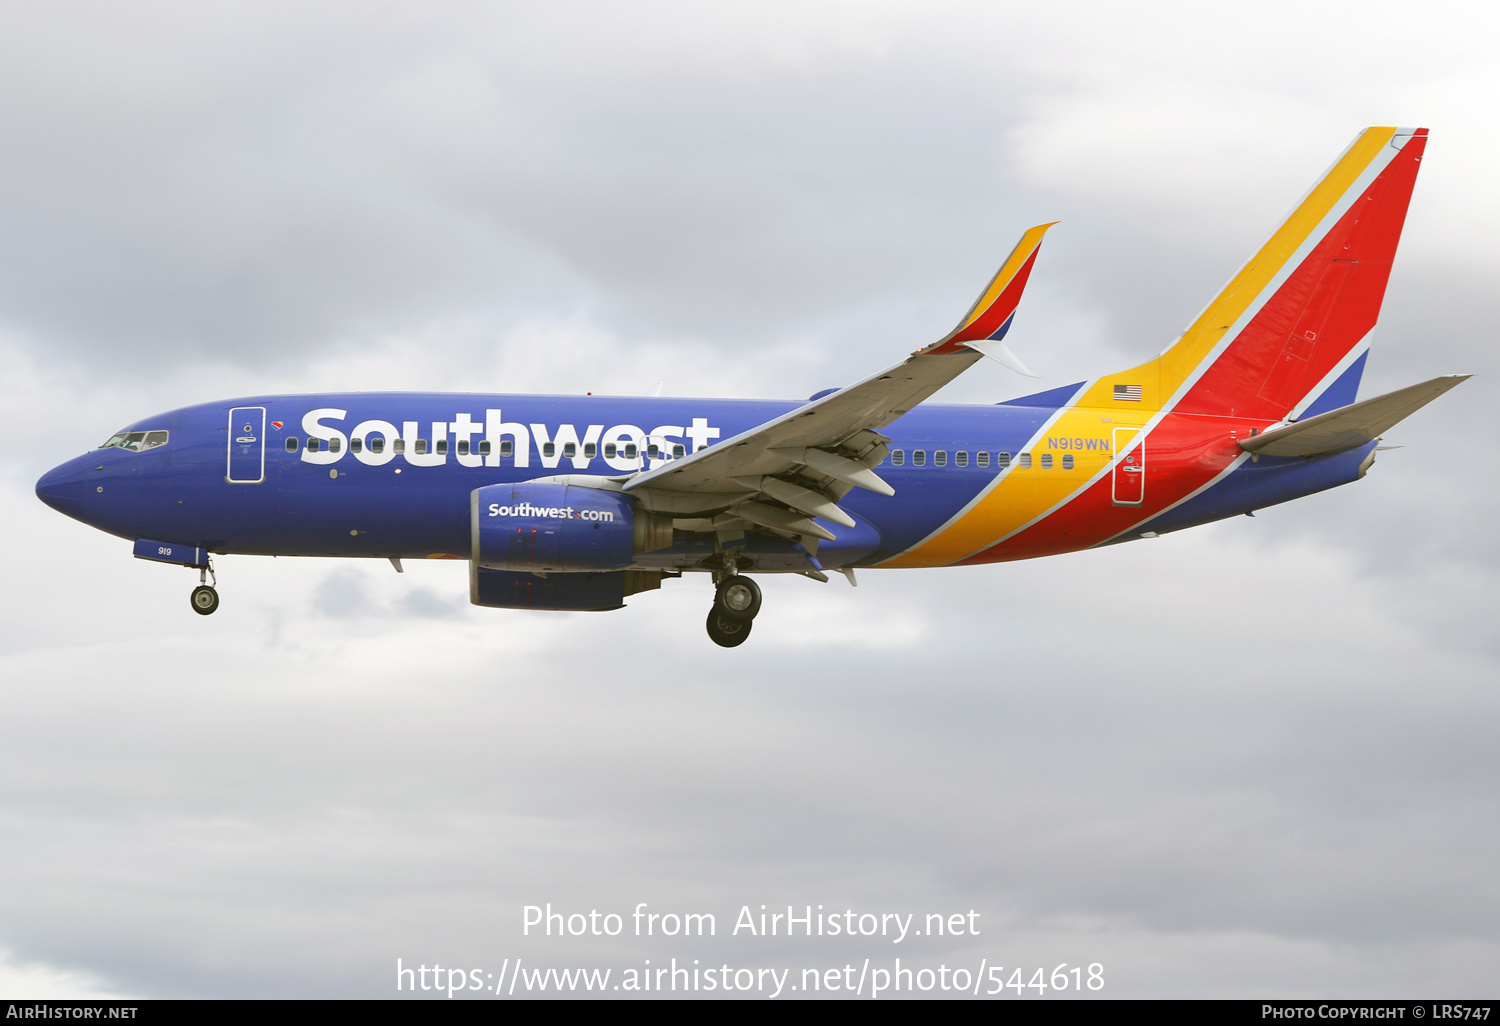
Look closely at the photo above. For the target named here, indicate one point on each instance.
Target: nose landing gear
(736, 602)
(204, 598)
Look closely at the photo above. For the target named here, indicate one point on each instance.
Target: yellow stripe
(1179, 362)
(1026, 493)
(1030, 240)
(1022, 496)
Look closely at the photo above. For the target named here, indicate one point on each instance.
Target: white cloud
(38, 981)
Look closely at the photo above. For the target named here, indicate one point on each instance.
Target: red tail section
(1289, 322)
(1322, 310)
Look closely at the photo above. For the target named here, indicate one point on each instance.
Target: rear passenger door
(1128, 479)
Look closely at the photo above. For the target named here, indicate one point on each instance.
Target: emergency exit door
(247, 445)
(1128, 484)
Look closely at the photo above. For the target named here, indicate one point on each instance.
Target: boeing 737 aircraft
(576, 502)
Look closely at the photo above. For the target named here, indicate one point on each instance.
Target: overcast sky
(1257, 758)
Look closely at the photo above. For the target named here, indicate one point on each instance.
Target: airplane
(578, 502)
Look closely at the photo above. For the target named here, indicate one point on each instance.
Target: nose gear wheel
(205, 600)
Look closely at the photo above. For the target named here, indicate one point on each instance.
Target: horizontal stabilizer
(1349, 426)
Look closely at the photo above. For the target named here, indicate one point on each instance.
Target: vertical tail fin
(1290, 325)
(1284, 338)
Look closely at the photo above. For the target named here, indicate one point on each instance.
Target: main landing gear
(205, 599)
(736, 601)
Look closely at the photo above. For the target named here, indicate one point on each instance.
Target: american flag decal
(1128, 393)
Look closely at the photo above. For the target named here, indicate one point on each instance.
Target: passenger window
(982, 459)
(919, 457)
(679, 451)
(484, 448)
(335, 444)
(1003, 460)
(1025, 461)
(1046, 461)
(590, 450)
(1068, 462)
(398, 445)
(421, 446)
(291, 444)
(312, 445)
(377, 444)
(961, 459)
(153, 439)
(442, 446)
(507, 448)
(356, 445)
(940, 458)
(463, 447)
(653, 451)
(898, 457)
(630, 450)
(570, 450)
(610, 450)
(549, 449)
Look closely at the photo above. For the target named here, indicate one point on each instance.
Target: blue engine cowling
(551, 528)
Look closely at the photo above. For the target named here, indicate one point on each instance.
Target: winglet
(987, 321)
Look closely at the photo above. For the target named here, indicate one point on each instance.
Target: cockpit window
(136, 441)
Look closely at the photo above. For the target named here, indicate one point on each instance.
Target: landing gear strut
(205, 599)
(736, 601)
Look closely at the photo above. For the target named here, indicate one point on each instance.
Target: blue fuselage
(260, 487)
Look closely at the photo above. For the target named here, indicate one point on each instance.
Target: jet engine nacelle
(554, 527)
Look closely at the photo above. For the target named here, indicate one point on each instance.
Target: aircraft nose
(62, 488)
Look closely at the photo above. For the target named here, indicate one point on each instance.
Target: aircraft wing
(806, 460)
(1349, 426)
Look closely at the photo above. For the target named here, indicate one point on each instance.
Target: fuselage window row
(464, 448)
(981, 459)
(140, 440)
